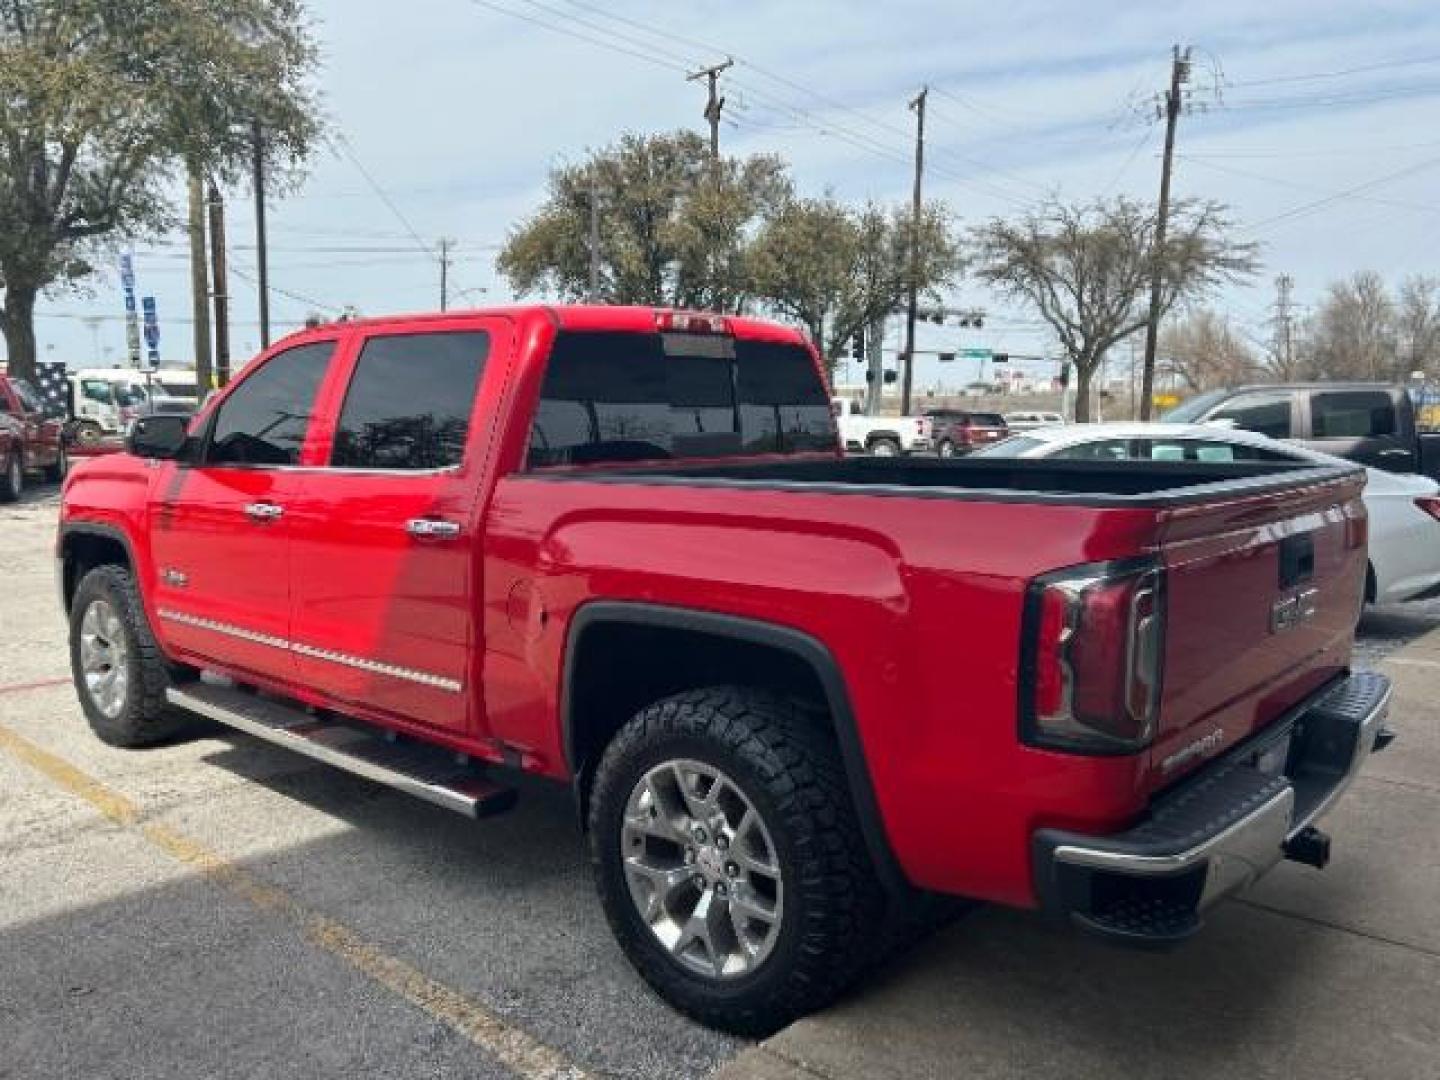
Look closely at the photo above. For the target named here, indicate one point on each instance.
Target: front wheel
(729, 858)
(119, 672)
(884, 448)
(56, 473)
(12, 480)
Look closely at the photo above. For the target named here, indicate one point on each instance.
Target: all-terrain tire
(143, 717)
(785, 762)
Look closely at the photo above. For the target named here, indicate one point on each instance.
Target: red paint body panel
(36, 437)
(876, 577)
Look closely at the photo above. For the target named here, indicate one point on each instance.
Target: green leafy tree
(673, 223)
(1086, 269)
(101, 104)
(836, 269)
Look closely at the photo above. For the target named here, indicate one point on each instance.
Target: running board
(428, 772)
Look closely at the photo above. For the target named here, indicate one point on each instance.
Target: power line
(648, 57)
(1428, 208)
(339, 141)
(1310, 207)
(1384, 65)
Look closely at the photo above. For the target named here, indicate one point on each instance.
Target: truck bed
(1097, 483)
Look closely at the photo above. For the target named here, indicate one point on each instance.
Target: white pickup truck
(883, 436)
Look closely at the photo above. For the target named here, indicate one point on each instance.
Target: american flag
(53, 385)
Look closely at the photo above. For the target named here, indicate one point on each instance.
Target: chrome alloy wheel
(702, 869)
(104, 658)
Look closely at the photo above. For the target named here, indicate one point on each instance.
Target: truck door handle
(263, 511)
(432, 527)
(1396, 452)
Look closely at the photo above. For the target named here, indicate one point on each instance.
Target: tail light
(1091, 658)
(923, 426)
(1430, 504)
(690, 322)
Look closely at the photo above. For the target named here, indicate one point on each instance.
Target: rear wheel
(884, 447)
(119, 672)
(729, 858)
(88, 433)
(12, 480)
(946, 448)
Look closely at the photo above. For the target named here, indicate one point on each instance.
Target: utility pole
(199, 283)
(714, 103)
(262, 257)
(594, 296)
(445, 243)
(908, 377)
(222, 294)
(1284, 343)
(1179, 75)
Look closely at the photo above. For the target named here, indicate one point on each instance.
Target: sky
(1315, 122)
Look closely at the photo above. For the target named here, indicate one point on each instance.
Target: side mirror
(161, 436)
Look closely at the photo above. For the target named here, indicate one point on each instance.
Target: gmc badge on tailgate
(1290, 611)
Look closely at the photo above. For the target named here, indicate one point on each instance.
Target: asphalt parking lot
(218, 907)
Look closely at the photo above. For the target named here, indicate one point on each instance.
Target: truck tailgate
(1262, 599)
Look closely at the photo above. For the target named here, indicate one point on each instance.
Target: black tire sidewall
(12, 481)
(764, 748)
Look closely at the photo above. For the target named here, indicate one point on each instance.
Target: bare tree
(1086, 269)
(1352, 335)
(1204, 352)
(1418, 324)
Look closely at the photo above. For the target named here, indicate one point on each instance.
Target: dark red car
(958, 431)
(621, 548)
(30, 439)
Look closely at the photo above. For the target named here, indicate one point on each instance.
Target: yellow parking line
(519, 1052)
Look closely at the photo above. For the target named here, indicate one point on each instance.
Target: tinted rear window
(611, 396)
(987, 419)
(1355, 414)
(409, 401)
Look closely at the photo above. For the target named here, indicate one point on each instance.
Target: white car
(883, 436)
(1027, 421)
(1404, 510)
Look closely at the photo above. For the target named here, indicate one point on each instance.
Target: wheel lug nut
(732, 869)
(721, 843)
(699, 835)
(698, 881)
(720, 889)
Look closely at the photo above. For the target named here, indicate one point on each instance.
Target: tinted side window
(1266, 413)
(409, 402)
(783, 407)
(1352, 414)
(612, 396)
(263, 420)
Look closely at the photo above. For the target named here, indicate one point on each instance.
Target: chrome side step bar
(427, 772)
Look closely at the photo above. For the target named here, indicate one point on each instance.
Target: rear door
(1274, 413)
(220, 527)
(383, 539)
(1361, 425)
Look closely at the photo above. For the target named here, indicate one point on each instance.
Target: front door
(384, 555)
(220, 528)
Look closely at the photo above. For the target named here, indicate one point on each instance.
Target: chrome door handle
(263, 511)
(431, 527)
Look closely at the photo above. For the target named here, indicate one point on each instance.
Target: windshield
(1187, 412)
(1013, 447)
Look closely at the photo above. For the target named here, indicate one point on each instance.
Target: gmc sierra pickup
(622, 548)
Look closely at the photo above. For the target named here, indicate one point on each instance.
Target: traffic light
(1064, 376)
(891, 375)
(947, 358)
(857, 347)
(1000, 358)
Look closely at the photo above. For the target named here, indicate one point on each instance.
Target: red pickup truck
(621, 548)
(30, 439)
